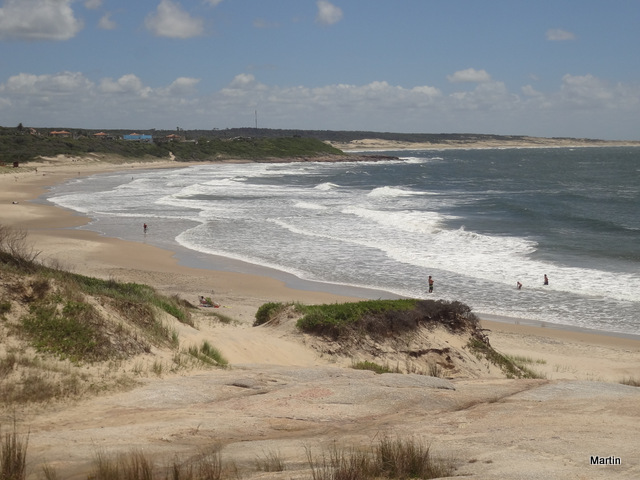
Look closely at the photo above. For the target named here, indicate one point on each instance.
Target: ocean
(477, 221)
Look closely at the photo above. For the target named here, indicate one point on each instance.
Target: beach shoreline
(51, 227)
(280, 393)
(241, 287)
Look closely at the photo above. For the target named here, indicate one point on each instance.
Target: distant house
(60, 133)
(174, 138)
(101, 135)
(138, 137)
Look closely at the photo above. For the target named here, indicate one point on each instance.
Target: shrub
(384, 317)
(267, 311)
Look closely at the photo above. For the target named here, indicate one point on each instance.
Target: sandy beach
(517, 429)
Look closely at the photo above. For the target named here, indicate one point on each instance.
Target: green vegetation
(390, 319)
(511, 368)
(372, 366)
(379, 318)
(251, 148)
(268, 311)
(208, 354)
(54, 322)
(20, 145)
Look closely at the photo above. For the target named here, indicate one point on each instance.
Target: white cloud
(328, 14)
(585, 91)
(470, 75)
(38, 20)
(559, 35)
(529, 91)
(93, 4)
(182, 86)
(581, 105)
(127, 84)
(214, 3)
(170, 20)
(243, 81)
(63, 83)
(106, 23)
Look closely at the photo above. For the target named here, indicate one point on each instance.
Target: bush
(267, 311)
(380, 318)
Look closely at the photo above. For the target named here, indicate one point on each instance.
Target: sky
(550, 68)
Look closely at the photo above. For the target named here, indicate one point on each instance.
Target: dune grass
(389, 458)
(631, 381)
(13, 455)
(55, 322)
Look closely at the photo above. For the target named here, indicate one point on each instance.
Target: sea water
(478, 221)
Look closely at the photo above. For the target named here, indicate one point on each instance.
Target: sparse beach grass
(56, 323)
(374, 367)
(631, 381)
(390, 458)
(510, 367)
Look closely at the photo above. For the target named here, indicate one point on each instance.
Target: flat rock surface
(492, 429)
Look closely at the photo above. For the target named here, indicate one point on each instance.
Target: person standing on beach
(145, 228)
(430, 284)
(546, 280)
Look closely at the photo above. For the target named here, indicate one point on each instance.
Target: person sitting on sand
(207, 302)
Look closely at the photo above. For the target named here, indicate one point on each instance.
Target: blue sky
(544, 68)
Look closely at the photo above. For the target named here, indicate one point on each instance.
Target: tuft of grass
(372, 366)
(5, 307)
(510, 368)
(13, 455)
(135, 465)
(270, 462)
(208, 354)
(631, 381)
(408, 458)
(391, 458)
(435, 370)
(522, 360)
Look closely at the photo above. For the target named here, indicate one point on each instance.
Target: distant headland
(23, 144)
